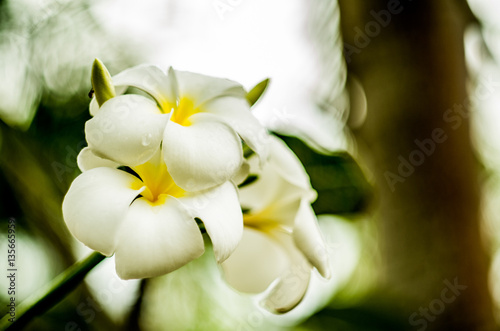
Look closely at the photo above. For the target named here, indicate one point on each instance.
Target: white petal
(284, 160)
(236, 113)
(256, 263)
(272, 196)
(220, 211)
(308, 239)
(152, 80)
(96, 204)
(94, 106)
(282, 183)
(201, 88)
(87, 160)
(242, 174)
(289, 290)
(155, 240)
(127, 129)
(205, 154)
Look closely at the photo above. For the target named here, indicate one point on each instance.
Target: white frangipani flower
(148, 221)
(197, 119)
(281, 239)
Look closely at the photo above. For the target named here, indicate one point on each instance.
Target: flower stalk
(54, 292)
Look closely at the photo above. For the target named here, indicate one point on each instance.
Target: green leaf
(254, 95)
(338, 179)
(101, 83)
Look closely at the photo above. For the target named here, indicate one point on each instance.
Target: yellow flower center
(263, 221)
(183, 111)
(159, 184)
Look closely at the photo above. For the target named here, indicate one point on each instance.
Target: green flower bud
(101, 83)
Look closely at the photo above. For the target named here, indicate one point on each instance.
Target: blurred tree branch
(413, 70)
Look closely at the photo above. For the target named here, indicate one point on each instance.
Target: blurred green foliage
(341, 185)
(46, 52)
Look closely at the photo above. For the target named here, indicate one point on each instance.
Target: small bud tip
(102, 84)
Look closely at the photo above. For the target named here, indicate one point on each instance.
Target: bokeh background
(355, 85)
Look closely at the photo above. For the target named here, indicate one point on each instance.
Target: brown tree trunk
(409, 57)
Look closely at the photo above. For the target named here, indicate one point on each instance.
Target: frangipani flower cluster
(168, 159)
(198, 120)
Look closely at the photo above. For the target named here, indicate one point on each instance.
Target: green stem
(54, 292)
